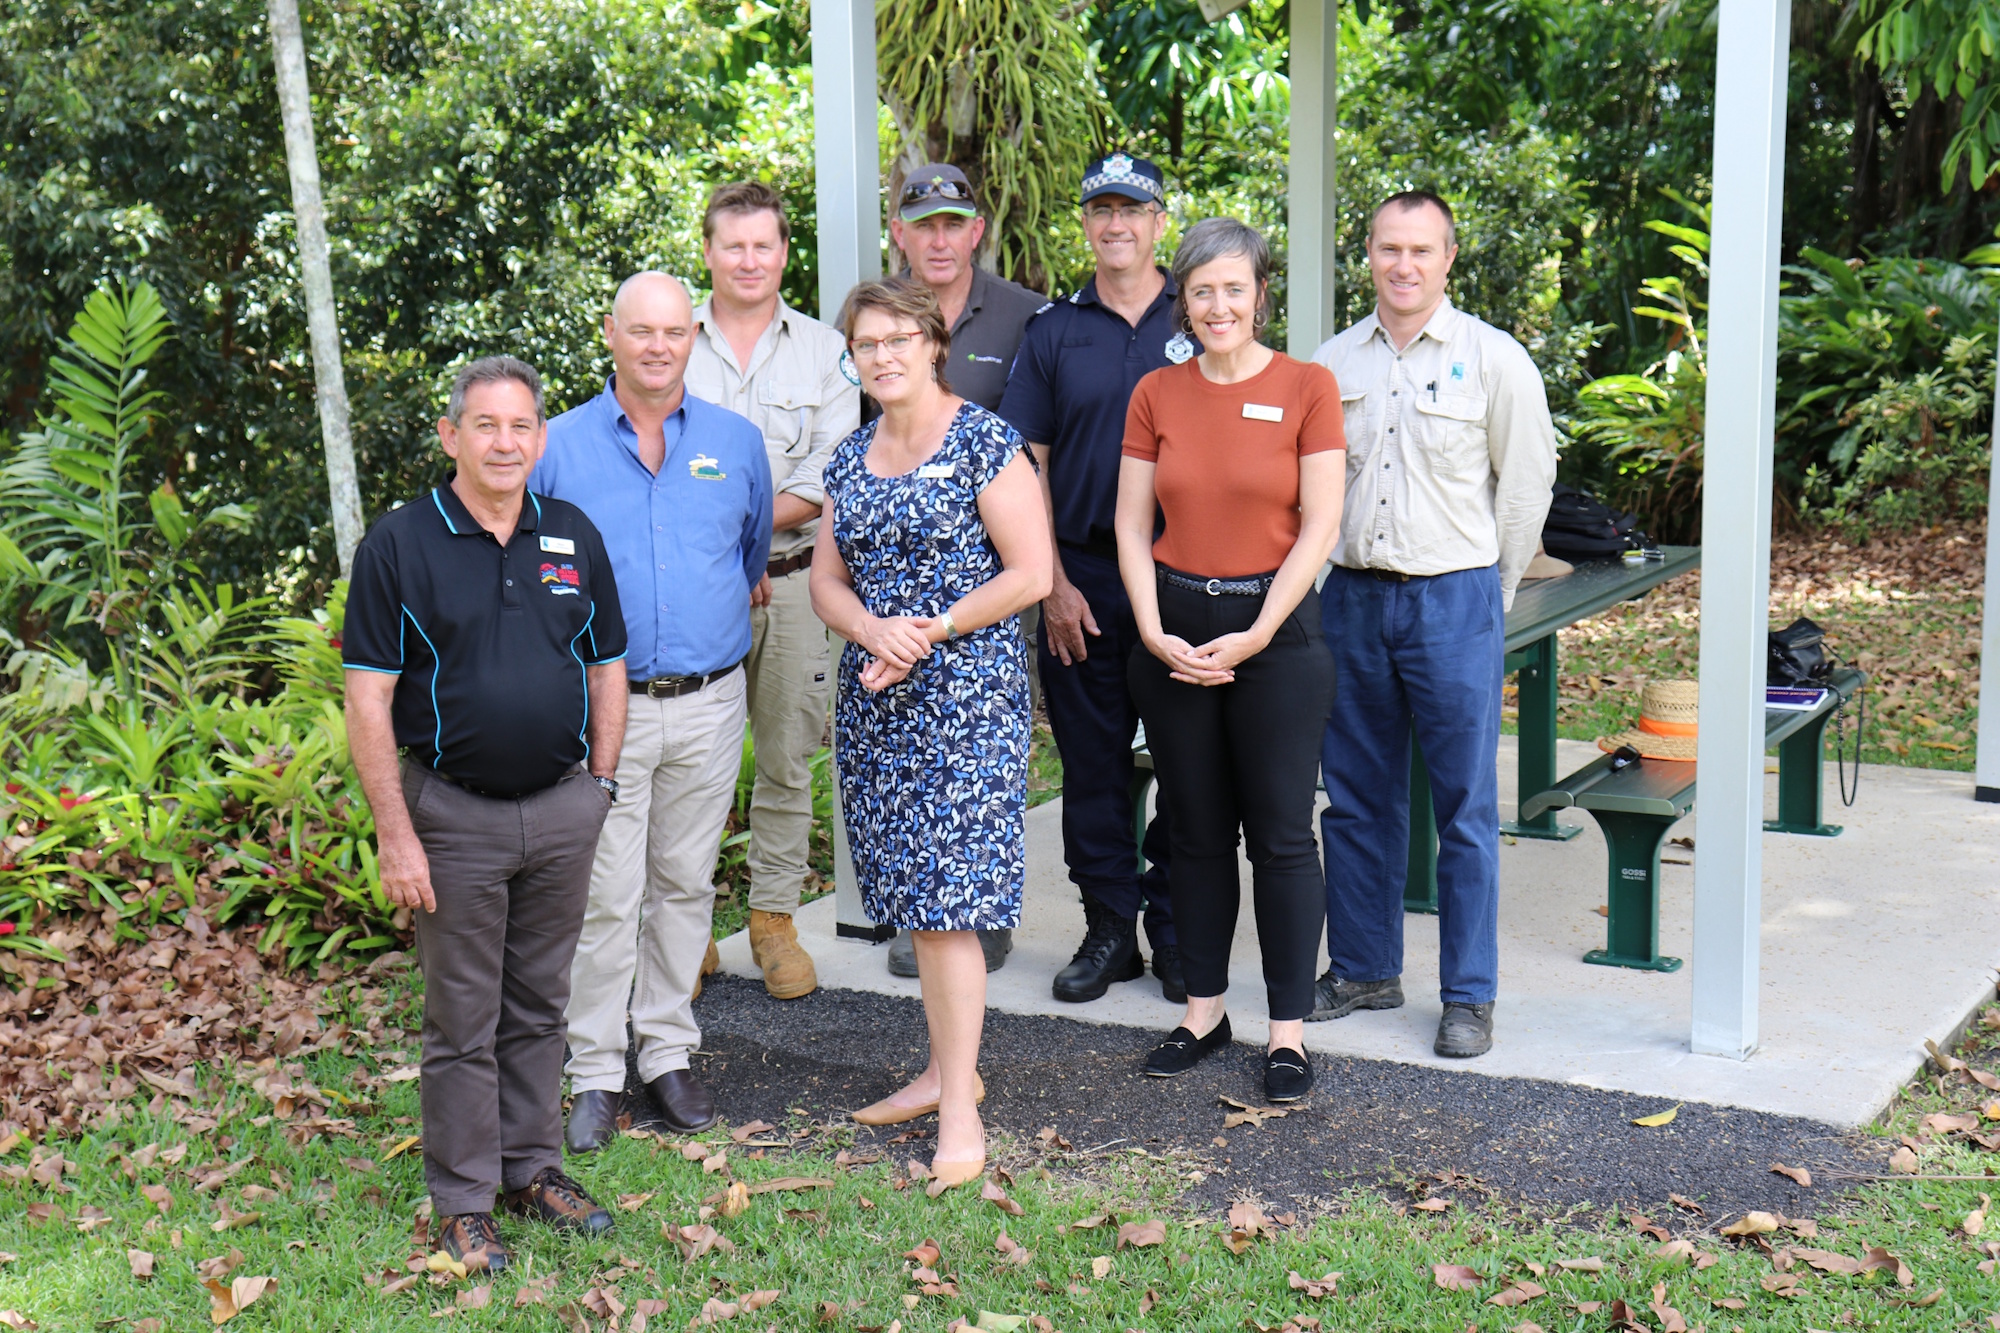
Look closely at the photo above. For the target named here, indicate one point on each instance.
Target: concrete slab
(1873, 942)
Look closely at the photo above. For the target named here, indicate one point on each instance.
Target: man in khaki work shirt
(1450, 457)
(763, 360)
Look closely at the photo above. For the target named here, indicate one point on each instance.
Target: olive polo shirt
(986, 335)
(489, 643)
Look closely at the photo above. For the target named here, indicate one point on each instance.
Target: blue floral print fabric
(934, 769)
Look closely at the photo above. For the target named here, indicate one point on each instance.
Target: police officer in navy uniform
(1071, 383)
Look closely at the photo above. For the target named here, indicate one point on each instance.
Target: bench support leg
(1802, 783)
(1420, 879)
(1632, 931)
(1535, 732)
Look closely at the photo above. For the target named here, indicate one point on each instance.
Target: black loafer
(593, 1120)
(1288, 1075)
(1465, 1030)
(1337, 997)
(684, 1103)
(1182, 1050)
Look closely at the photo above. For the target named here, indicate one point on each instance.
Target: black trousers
(1093, 717)
(1242, 756)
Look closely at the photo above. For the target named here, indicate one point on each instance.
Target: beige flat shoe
(944, 1175)
(885, 1113)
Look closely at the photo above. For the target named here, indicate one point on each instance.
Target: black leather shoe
(1167, 967)
(1288, 1075)
(1109, 952)
(996, 944)
(683, 1102)
(593, 1119)
(1465, 1030)
(1182, 1050)
(903, 955)
(1337, 997)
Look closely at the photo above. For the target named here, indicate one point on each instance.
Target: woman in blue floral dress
(939, 540)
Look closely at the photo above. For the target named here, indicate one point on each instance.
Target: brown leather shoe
(554, 1198)
(593, 1119)
(473, 1240)
(684, 1103)
(774, 945)
(711, 963)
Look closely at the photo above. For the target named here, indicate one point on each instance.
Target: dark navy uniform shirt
(489, 642)
(1073, 379)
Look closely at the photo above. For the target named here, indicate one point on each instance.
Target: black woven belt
(673, 687)
(779, 566)
(1254, 586)
(1390, 575)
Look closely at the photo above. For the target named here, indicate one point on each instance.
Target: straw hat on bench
(1666, 727)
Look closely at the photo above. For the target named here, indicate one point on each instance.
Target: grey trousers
(511, 877)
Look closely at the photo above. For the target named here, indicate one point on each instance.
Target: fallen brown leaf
(1520, 1293)
(1431, 1205)
(991, 1192)
(1670, 1318)
(1100, 1267)
(1142, 1234)
(926, 1254)
(1317, 1288)
(160, 1196)
(719, 1162)
(695, 1241)
(1591, 1265)
(142, 1263)
(1752, 1224)
(1689, 1205)
(228, 1302)
(1903, 1162)
(1879, 1258)
(220, 1266)
(1455, 1277)
(1798, 1175)
(475, 1298)
(757, 1300)
(1975, 1221)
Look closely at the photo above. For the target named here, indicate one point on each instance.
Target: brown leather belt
(673, 687)
(789, 564)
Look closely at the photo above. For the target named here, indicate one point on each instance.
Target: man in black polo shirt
(1078, 363)
(484, 640)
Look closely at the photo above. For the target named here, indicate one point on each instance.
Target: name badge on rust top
(1260, 412)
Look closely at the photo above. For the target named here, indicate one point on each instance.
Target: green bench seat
(1637, 806)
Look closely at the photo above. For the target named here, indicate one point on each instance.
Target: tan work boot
(774, 944)
(711, 962)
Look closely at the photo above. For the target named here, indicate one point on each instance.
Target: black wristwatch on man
(610, 786)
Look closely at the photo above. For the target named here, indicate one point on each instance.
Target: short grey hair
(493, 370)
(1221, 238)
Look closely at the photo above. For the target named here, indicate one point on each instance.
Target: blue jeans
(1423, 654)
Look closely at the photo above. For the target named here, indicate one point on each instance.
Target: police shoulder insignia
(847, 369)
(1044, 308)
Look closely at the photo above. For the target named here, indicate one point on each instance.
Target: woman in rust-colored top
(1240, 452)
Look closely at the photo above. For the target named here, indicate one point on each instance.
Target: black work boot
(1466, 1030)
(1109, 952)
(1167, 967)
(1337, 997)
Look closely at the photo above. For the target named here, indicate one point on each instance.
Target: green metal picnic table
(1540, 609)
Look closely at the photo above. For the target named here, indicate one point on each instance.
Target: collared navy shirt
(1072, 381)
(688, 544)
(489, 642)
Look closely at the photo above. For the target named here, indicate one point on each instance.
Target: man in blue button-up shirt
(681, 490)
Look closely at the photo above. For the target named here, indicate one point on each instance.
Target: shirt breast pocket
(1454, 426)
(1354, 424)
(785, 414)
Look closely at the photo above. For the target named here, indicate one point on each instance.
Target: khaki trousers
(652, 888)
(788, 702)
(510, 877)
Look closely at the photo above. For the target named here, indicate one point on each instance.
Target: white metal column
(1986, 769)
(848, 187)
(846, 154)
(1311, 222)
(1751, 47)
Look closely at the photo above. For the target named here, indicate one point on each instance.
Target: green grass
(326, 1226)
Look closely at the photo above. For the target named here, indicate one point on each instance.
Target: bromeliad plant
(146, 777)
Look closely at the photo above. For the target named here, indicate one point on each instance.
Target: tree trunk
(1865, 156)
(322, 320)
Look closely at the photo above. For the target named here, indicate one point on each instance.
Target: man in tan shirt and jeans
(788, 374)
(1450, 456)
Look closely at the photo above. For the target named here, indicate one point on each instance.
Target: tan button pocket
(1454, 433)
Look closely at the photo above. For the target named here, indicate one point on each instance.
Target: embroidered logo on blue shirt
(703, 468)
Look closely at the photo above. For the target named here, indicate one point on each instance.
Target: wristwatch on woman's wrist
(950, 625)
(610, 786)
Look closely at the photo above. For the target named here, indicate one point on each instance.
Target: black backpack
(1582, 527)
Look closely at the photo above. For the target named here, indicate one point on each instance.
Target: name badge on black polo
(559, 546)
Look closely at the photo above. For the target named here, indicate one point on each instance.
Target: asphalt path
(1404, 1130)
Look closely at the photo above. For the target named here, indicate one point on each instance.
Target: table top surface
(1547, 605)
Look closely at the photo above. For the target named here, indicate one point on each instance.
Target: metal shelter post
(1986, 769)
(1311, 224)
(1752, 43)
(847, 175)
